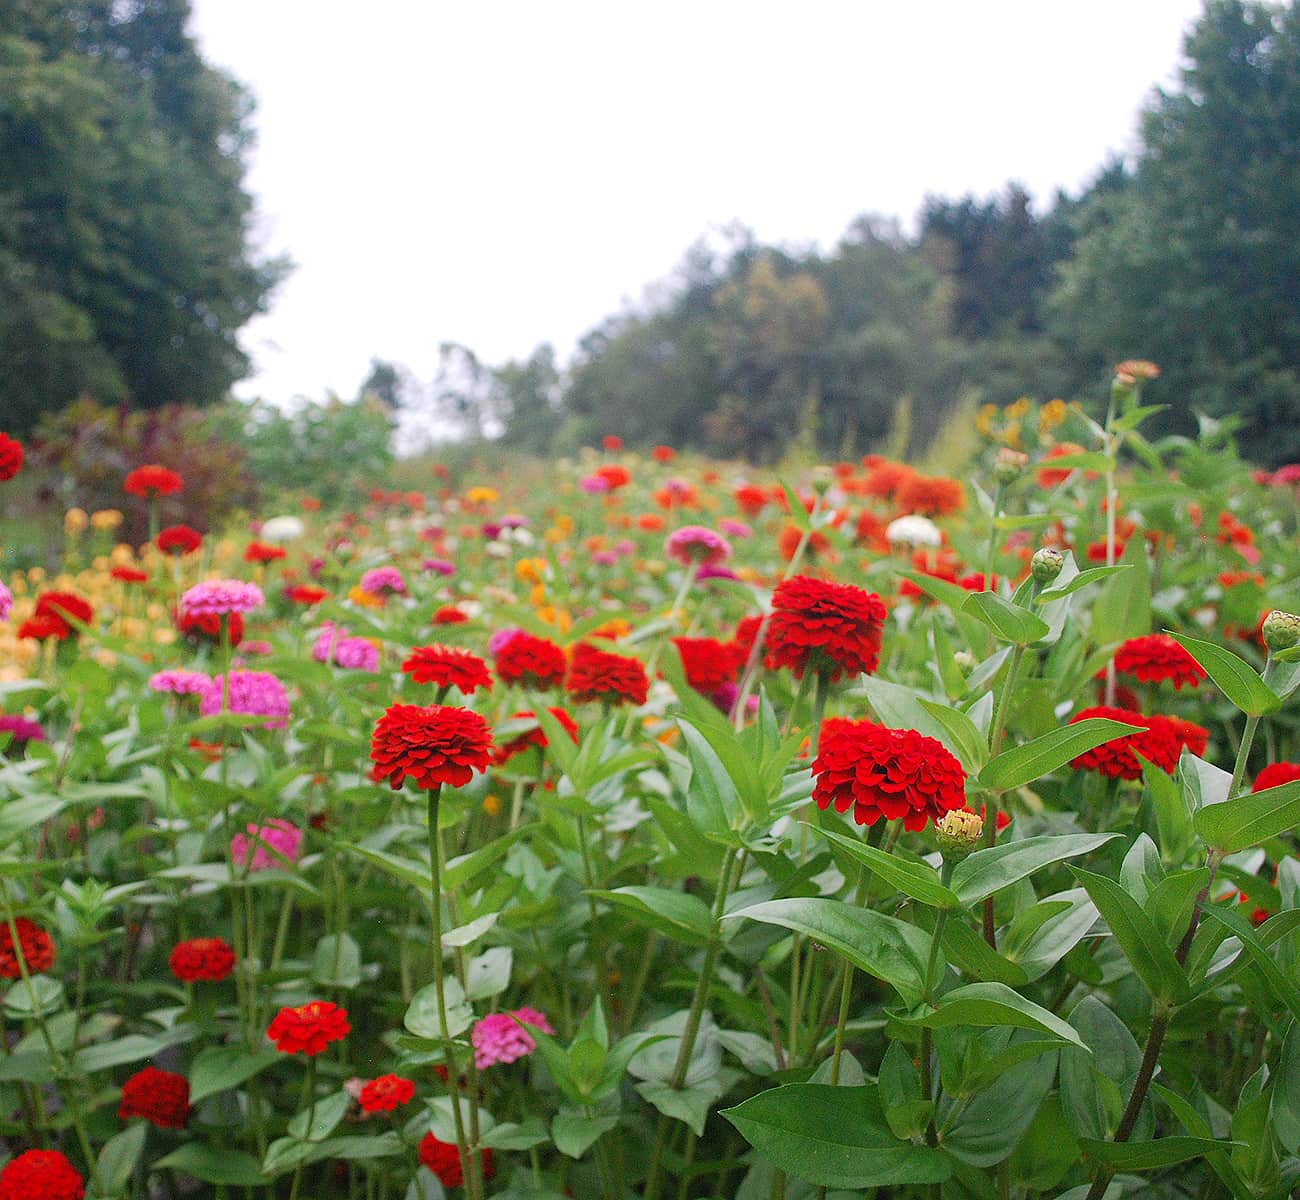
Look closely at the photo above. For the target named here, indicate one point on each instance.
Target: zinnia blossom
(432, 746)
(383, 581)
(698, 545)
(20, 730)
(1050, 477)
(932, 496)
(217, 597)
(449, 614)
(257, 693)
(447, 666)
(11, 457)
(1275, 775)
(610, 678)
(305, 593)
(160, 1097)
(308, 1028)
(532, 661)
(201, 959)
(815, 620)
(181, 682)
(535, 736)
(41, 1175)
(890, 773)
(153, 480)
(1157, 742)
(35, 947)
(275, 842)
(443, 1159)
(1156, 657)
(260, 552)
(179, 539)
(708, 663)
(129, 575)
(501, 1038)
(386, 1093)
(60, 609)
(6, 601)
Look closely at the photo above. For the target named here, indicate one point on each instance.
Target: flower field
(662, 828)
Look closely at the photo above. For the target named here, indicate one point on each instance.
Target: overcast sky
(502, 174)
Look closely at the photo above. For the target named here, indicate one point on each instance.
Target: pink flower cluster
(275, 841)
(500, 1038)
(382, 580)
(258, 693)
(699, 545)
(181, 683)
(216, 597)
(6, 602)
(352, 653)
(20, 729)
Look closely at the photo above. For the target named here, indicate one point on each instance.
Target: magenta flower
(696, 544)
(20, 730)
(594, 484)
(181, 683)
(258, 693)
(382, 581)
(737, 529)
(501, 1038)
(440, 566)
(357, 654)
(497, 642)
(6, 602)
(271, 844)
(216, 597)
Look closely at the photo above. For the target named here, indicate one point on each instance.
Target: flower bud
(822, 478)
(964, 659)
(1046, 564)
(1281, 630)
(1009, 464)
(959, 833)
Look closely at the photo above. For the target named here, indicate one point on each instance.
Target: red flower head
(41, 628)
(309, 1028)
(610, 678)
(534, 737)
(179, 539)
(430, 746)
(161, 1097)
(1187, 734)
(708, 663)
(35, 945)
(1158, 743)
(612, 442)
(841, 623)
(532, 661)
(614, 475)
(129, 575)
(206, 627)
(41, 1175)
(443, 1159)
(449, 614)
(64, 607)
(152, 481)
(884, 478)
(933, 496)
(1050, 477)
(663, 454)
(888, 773)
(260, 552)
(386, 1093)
(446, 666)
(305, 593)
(1275, 775)
(11, 457)
(746, 631)
(208, 959)
(1156, 657)
(751, 499)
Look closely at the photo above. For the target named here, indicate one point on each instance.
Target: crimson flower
(430, 746)
(836, 621)
(35, 945)
(179, 539)
(161, 1097)
(63, 607)
(153, 480)
(11, 457)
(610, 678)
(1158, 742)
(41, 1175)
(1156, 657)
(449, 614)
(206, 627)
(443, 1159)
(708, 663)
(448, 666)
(532, 661)
(386, 1093)
(261, 552)
(1275, 775)
(305, 593)
(210, 959)
(534, 736)
(129, 575)
(309, 1028)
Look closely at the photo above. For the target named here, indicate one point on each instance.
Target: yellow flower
(1019, 408)
(106, 518)
(1011, 435)
(1052, 414)
(559, 617)
(365, 599)
(491, 804)
(531, 570)
(481, 495)
(613, 629)
(985, 418)
(75, 520)
(537, 596)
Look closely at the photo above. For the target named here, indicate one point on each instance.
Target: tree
(1197, 264)
(126, 267)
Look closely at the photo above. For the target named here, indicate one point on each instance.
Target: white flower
(283, 529)
(914, 531)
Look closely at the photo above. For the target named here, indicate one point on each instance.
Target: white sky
(506, 173)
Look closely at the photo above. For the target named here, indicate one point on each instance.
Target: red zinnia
(431, 746)
(449, 614)
(41, 628)
(386, 1093)
(1276, 774)
(309, 1028)
(41, 1175)
(206, 627)
(129, 575)
(305, 593)
(612, 442)
(935, 496)
(443, 1159)
(835, 621)
(447, 666)
(161, 1097)
(532, 661)
(210, 959)
(1049, 477)
(888, 773)
(64, 607)
(1156, 657)
(1158, 743)
(614, 475)
(610, 678)
(663, 454)
(153, 480)
(11, 457)
(35, 945)
(534, 737)
(179, 539)
(260, 552)
(708, 663)
(750, 498)
(1187, 734)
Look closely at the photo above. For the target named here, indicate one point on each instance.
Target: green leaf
(1008, 621)
(18, 816)
(1284, 1107)
(833, 1137)
(1283, 987)
(996, 867)
(512, 1136)
(212, 1164)
(1150, 1156)
(987, 1005)
(488, 974)
(1123, 608)
(574, 1133)
(218, 1068)
(129, 1049)
(316, 1123)
(690, 1104)
(1081, 580)
(1023, 764)
(962, 736)
(882, 946)
(422, 1017)
(119, 1155)
(678, 914)
(1248, 820)
(37, 995)
(337, 961)
(900, 707)
(916, 879)
(1233, 676)
(968, 950)
(1137, 936)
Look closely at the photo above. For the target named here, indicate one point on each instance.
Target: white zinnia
(283, 529)
(912, 530)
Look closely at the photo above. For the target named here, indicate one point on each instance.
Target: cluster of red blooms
(598, 675)
(443, 1159)
(160, 1097)
(890, 773)
(34, 945)
(308, 1028)
(534, 737)
(1157, 657)
(816, 621)
(447, 667)
(432, 746)
(1161, 742)
(153, 480)
(708, 663)
(201, 959)
(11, 457)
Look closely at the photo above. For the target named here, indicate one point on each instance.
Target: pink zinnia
(383, 580)
(258, 693)
(734, 528)
(698, 545)
(20, 729)
(216, 597)
(594, 484)
(6, 602)
(500, 1038)
(181, 683)
(497, 642)
(440, 566)
(274, 842)
(357, 654)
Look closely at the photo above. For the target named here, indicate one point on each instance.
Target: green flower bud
(822, 478)
(959, 834)
(1281, 630)
(1009, 464)
(1046, 564)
